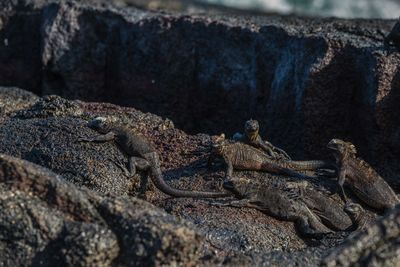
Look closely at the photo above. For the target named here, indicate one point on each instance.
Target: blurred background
(337, 8)
(388, 9)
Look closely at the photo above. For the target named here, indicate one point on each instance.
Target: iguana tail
(308, 165)
(293, 173)
(275, 167)
(159, 182)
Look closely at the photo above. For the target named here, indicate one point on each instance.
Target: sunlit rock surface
(305, 80)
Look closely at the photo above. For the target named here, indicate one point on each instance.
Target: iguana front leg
(98, 138)
(267, 147)
(341, 180)
(341, 177)
(229, 169)
(272, 150)
(282, 152)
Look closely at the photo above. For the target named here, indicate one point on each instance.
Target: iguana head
(354, 210)
(218, 144)
(341, 147)
(251, 127)
(99, 124)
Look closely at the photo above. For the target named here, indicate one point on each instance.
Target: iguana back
(245, 157)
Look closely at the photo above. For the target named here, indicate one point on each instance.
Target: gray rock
(378, 245)
(305, 80)
(41, 215)
(47, 133)
(13, 99)
(46, 221)
(51, 106)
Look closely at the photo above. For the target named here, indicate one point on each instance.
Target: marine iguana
(141, 156)
(252, 137)
(276, 203)
(244, 157)
(393, 38)
(330, 213)
(364, 181)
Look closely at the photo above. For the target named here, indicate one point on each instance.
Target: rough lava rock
(46, 221)
(379, 245)
(46, 133)
(193, 232)
(306, 80)
(13, 99)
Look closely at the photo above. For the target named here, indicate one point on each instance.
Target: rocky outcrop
(88, 214)
(13, 99)
(46, 221)
(306, 80)
(47, 134)
(367, 248)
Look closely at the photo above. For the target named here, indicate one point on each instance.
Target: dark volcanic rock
(13, 99)
(46, 133)
(20, 59)
(306, 80)
(232, 236)
(52, 143)
(40, 218)
(46, 221)
(149, 237)
(51, 106)
(379, 245)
